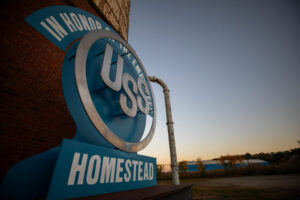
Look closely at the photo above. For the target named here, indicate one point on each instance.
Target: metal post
(174, 164)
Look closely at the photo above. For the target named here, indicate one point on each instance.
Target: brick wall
(34, 116)
(117, 14)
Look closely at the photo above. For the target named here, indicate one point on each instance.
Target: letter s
(141, 83)
(131, 112)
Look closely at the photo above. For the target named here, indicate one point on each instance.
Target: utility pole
(174, 164)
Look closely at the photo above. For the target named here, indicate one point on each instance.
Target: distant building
(215, 164)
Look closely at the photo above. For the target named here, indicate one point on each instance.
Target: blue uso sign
(108, 92)
(110, 98)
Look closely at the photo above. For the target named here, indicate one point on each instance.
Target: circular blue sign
(108, 93)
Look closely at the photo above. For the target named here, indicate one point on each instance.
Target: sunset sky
(233, 69)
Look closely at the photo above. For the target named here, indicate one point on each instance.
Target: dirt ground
(273, 187)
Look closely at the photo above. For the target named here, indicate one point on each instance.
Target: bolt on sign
(109, 96)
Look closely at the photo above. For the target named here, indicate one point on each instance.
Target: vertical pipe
(174, 164)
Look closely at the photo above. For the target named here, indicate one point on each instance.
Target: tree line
(272, 157)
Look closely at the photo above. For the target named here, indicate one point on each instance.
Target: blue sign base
(85, 170)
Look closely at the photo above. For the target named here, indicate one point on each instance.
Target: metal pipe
(174, 164)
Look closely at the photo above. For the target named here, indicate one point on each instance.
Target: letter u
(106, 68)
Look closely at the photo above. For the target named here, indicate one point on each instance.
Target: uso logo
(114, 91)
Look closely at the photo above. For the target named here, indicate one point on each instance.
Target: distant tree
(200, 166)
(182, 166)
(247, 156)
(230, 161)
(295, 151)
(159, 168)
(224, 162)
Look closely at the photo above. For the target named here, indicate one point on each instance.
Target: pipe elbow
(159, 81)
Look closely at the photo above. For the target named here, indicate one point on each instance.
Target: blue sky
(233, 69)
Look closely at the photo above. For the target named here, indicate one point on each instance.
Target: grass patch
(221, 189)
(244, 194)
(236, 193)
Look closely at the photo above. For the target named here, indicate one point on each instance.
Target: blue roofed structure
(215, 164)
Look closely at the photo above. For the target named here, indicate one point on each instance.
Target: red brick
(34, 117)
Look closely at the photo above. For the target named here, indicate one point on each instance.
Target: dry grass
(236, 193)
(285, 187)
